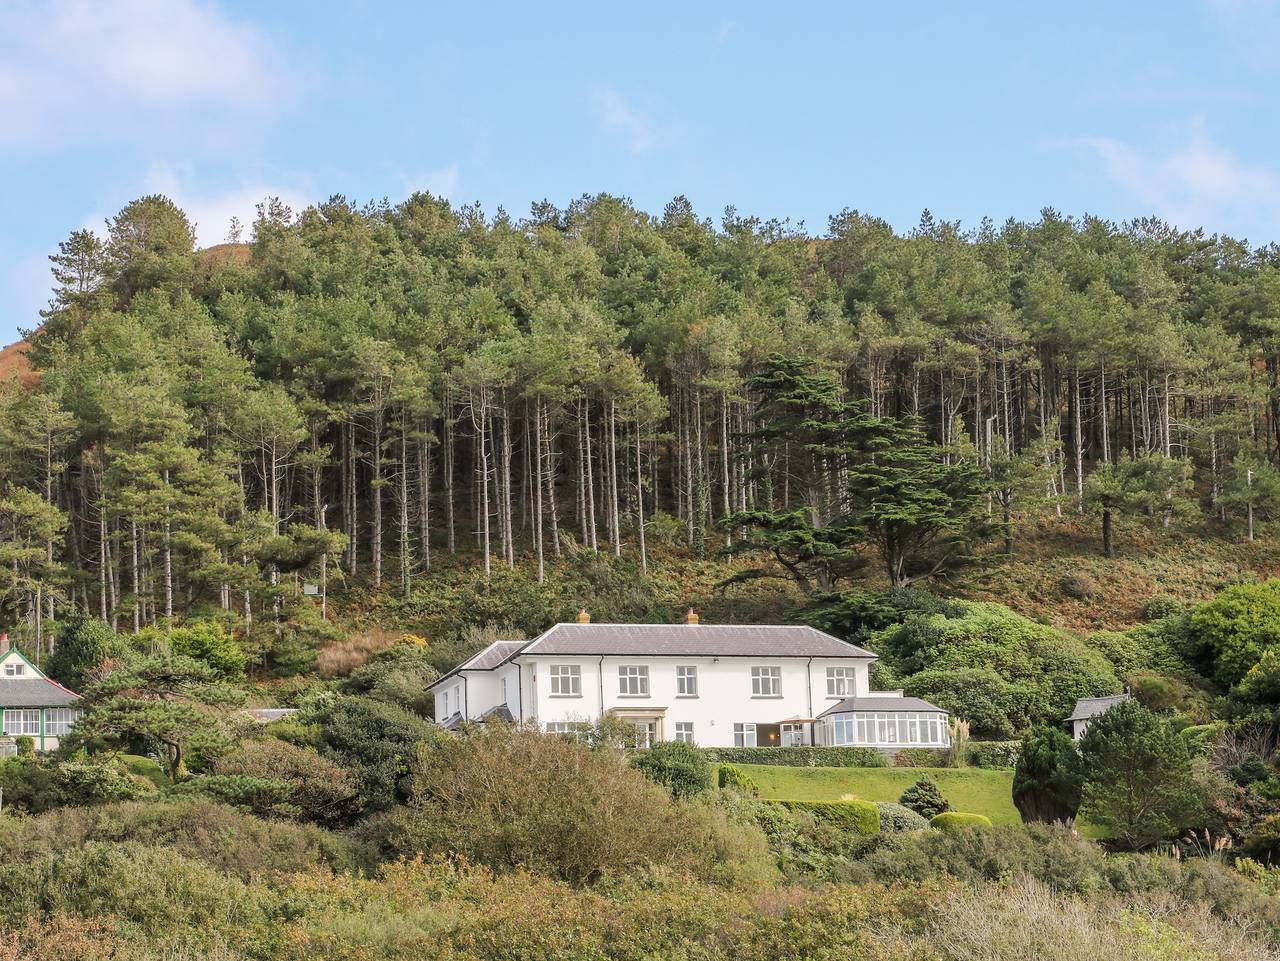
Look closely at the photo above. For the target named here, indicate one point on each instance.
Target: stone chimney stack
(691, 617)
(5, 646)
(583, 616)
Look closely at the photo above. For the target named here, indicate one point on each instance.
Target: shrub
(1160, 606)
(798, 756)
(98, 781)
(895, 818)
(25, 745)
(1049, 778)
(1138, 779)
(233, 842)
(678, 766)
(399, 675)
(861, 817)
(375, 741)
(1078, 587)
(80, 644)
(729, 777)
(1200, 738)
(955, 820)
(925, 798)
(507, 796)
(317, 789)
(1263, 842)
(264, 796)
(207, 641)
(1236, 627)
(979, 695)
(994, 754)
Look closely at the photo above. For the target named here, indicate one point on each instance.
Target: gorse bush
(506, 797)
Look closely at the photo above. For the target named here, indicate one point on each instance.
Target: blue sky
(787, 110)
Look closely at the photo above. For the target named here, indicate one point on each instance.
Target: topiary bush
(897, 818)
(955, 820)
(925, 798)
(729, 777)
(797, 756)
(861, 817)
(677, 765)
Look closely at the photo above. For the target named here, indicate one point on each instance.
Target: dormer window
(15, 669)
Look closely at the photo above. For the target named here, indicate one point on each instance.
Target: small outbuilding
(31, 704)
(1087, 708)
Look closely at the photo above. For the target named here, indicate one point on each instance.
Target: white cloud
(1196, 184)
(210, 210)
(618, 116)
(76, 69)
(445, 182)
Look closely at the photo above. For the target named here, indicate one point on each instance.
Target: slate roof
(34, 692)
(1090, 707)
(499, 712)
(692, 640)
(882, 704)
(491, 658)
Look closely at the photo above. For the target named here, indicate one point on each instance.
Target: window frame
(633, 676)
(684, 735)
(559, 673)
(15, 669)
(65, 719)
(686, 673)
(740, 733)
(770, 673)
(841, 675)
(24, 716)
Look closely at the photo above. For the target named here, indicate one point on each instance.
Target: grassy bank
(976, 790)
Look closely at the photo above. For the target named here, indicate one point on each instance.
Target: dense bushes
(993, 668)
(678, 766)
(860, 817)
(797, 756)
(231, 841)
(315, 788)
(508, 797)
(399, 675)
(1234, 629)
(34, 785)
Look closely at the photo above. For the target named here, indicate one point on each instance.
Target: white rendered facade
(715, 687)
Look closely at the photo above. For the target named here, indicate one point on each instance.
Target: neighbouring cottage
(32, 705)
(711, 685)
(1087, 708)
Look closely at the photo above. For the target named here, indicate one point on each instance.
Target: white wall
(724, 692)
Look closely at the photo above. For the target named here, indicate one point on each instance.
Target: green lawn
(975, 790)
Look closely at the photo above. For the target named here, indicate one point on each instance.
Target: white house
(31, 705)
(1087, 708)
(712, 685)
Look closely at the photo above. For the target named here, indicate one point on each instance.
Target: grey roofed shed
(1088, 708)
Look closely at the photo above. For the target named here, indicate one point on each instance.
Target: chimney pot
(583, 616)
(691, 617)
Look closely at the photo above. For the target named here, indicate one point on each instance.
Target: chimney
(4, 643)
(583, 616)
(691, 617)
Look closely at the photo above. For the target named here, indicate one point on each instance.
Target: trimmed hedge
(921, 757)
(798, 756)
(994, 754)
(953, 820)
(861, 817)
